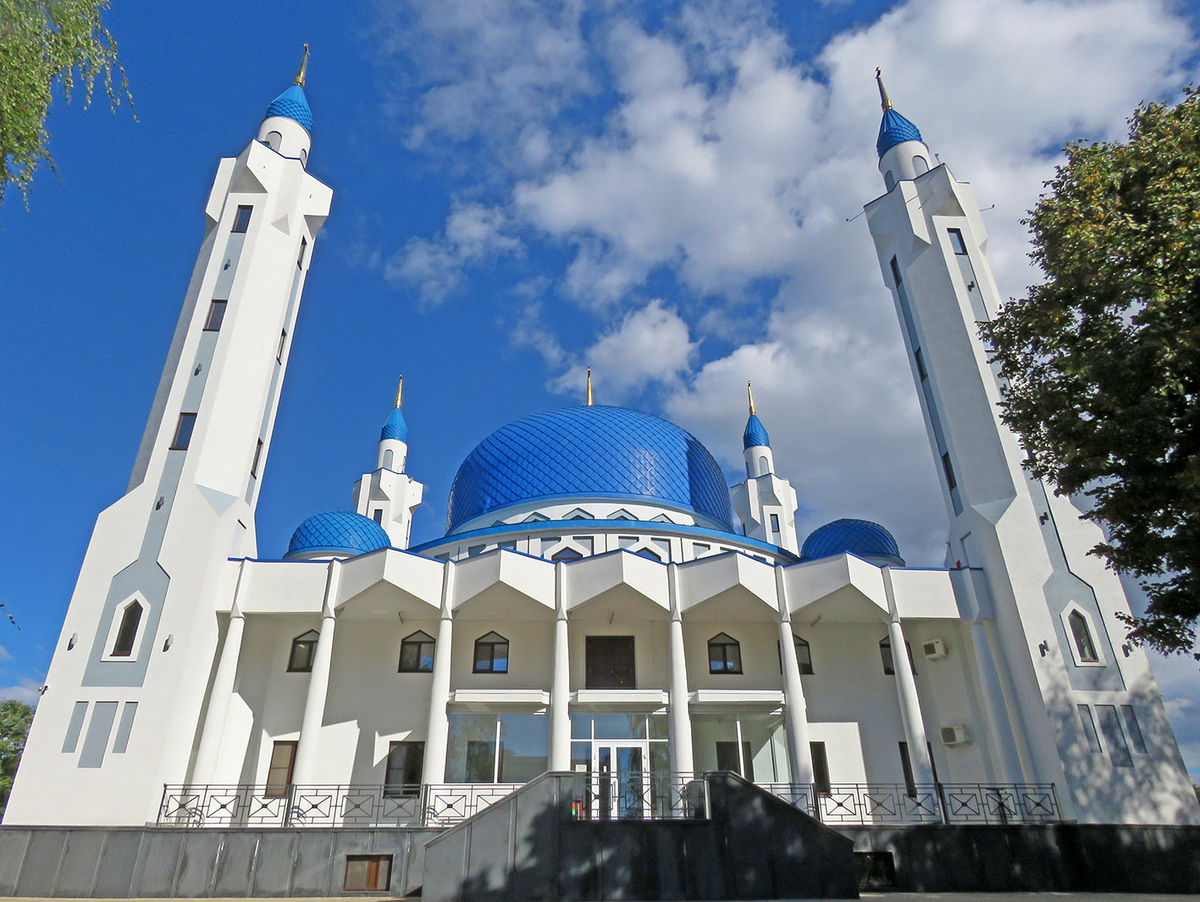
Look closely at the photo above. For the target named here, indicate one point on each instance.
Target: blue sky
(662, 191)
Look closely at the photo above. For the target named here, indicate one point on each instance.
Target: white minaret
(389, 495)
(128, 678)
(1047, 641)
(765, 503)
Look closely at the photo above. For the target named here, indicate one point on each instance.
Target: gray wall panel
(235, 870)
(80, 862)
(314, 862)
(115, 876)
(160, 855)
(273, 869)
(41, 863)
(13, 844)
(194, 874)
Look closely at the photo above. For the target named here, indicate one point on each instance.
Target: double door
(620, 779)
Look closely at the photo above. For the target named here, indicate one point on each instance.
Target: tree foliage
(15, 718)
(1104, 357)
(48, 45)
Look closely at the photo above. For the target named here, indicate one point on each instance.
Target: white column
(680, 720)
(560, 680)
(305, 769)
(999, 726)
(437, 732)
(222, 688)
(795, 709)
(906, 688)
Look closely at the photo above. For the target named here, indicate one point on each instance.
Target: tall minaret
(765, 503)
(1047, 642)
(128, 677)
(389, 495)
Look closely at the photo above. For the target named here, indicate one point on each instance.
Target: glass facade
(497, 748)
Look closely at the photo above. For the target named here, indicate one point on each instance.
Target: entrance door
(621, 784)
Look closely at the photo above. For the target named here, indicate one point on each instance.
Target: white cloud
(4, 654)
(26, 690)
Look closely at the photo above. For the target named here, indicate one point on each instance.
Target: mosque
(602, 603)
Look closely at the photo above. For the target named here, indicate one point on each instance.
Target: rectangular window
(404, 766)
(774, 522)
(820, 768)
(481, 761)
(727, 758)
(951, 482)
(183, 431)
(1133, 729)
(896, 273)
(1114, 736)
(910, 783)
(216, 315)
(957, 243)
(1089, 727)
(279, 772)
(282, 342)
(378, 516)
(257, 455)
(300, 256)
(920, 364)
(367, 873)
(241, 219)
(610, 663)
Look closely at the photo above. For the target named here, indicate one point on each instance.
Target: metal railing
(628, 796)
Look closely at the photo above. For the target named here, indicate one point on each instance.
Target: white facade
(579, 614)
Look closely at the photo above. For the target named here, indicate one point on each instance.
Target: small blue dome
(338, 532)
(292, 104)
(599, 452)
(395, 427)
(755, 434)
(861, 537)
(893, 130)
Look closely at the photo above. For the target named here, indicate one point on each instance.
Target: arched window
(304, 649)
(127, 632)
(274, 140)
(491, 654)
(889, 180)
(762, 465)
(1082, 635)
(724, 654)
(885, 652)
(416, 653)
(387, 459)
(920, 165)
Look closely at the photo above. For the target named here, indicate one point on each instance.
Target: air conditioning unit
(934, 649)
(955, 734)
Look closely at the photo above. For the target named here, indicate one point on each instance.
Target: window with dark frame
(416, 653)
(609, 662)
(279, 771)
(803, 655)
(378, 516)
(257, 455)
(910, 782)
(727, 758)
(300, 256)
(920, 358)
(304, 650)
(183, 432)
(367, 873)
(957, 243)
(241, 219)
(951, 482)
(774, 522)
(820, 764)
(216, 316)
(127, 631)
(889, 663)
(491, 654)
(724, 654)
(405, 761)
(1083, 638)
(282, 342)
(896, 277)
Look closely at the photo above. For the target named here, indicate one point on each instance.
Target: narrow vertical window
(241, 219)
(956, 242)
(896, 272)
(216, 316)
(404, 764)
(1089, 727)
(1082, 635)
(910, 783)
(920, 364)
(279, 771)
(1114, 736)
(889, 662)
(951, 482)
(282, 342)
(257, 455)
(803, 655)
(416, 653)
(300, 256)
(1133, 729)
(775, 523)
(304, 650)
(378, 516)
(820, 768)
(183, 431)
(130, 618)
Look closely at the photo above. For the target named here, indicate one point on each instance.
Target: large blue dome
(599, 451)
(337, 532)
(861, 537)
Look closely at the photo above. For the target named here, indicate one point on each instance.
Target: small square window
(241, 219)
(367, 873)
(216, 316)
(957, 243)
(183, 431)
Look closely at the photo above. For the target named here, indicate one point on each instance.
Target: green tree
(15, 718)
(48, 45)
(1104, 357)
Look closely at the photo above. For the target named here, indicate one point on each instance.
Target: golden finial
(589, 387)
(750, 395)
(399, 391)
(883, 98)
(300, 76)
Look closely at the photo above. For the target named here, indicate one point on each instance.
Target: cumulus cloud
(4, 654)
(26, 690)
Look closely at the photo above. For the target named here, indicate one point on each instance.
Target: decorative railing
(629, 796)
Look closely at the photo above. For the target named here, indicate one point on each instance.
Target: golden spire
(589, 387)
(750, 395)
(399, 391)
(883, 98)
(300, 76)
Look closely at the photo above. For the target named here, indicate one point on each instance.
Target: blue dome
(598, 451)
(338, 532)
(292, 104)
(861, 537)
(755, 434)
(893, 130)
(395, 427)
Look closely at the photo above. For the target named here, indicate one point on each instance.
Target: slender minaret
(765, 503)
(389, 496)
(127, 681)
(1046, 640)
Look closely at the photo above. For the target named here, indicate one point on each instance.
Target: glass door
(622, 785)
